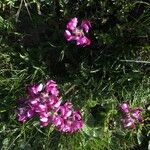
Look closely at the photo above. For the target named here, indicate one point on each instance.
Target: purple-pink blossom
(24, 112)
(33, 90)
(130, 116)
(67, 119)
(43, 101)
(86, 25)
(136, 114)
(124, 107)
(72, 24)
(128, 122)
(51, 87)
(77, 33)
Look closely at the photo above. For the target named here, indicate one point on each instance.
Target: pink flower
(83, 41)
(44, 121)
(30, 113)
(72, 120)
(34, 102)
(51, 87)
(124, 107)
(77, 125)
(68, 35)
(77, 115)
(130, 116)
(53, 102)
(128, 122)
(22, 114)
(67, 126)
(58, 121)
(135, 113)
(71, 25)
(43, 101)
(45, 118)
(33, 90)
(76, 33)
(86, 25)
(41, 108)
(65, 111)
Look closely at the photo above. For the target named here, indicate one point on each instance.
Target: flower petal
(71, 25)
(136, 113)
(86, 25)
(124, 107)
(83, 41)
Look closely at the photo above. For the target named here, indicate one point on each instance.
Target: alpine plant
(130, 116)
(77, 33)
(43, 101)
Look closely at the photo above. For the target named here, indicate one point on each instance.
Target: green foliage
(114, 68)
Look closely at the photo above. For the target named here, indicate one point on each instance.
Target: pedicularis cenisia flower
(130, 116)
(77, 33)
(43, 101)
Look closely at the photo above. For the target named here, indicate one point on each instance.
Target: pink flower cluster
(130, 116)
(77, 33)
(43, 101)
